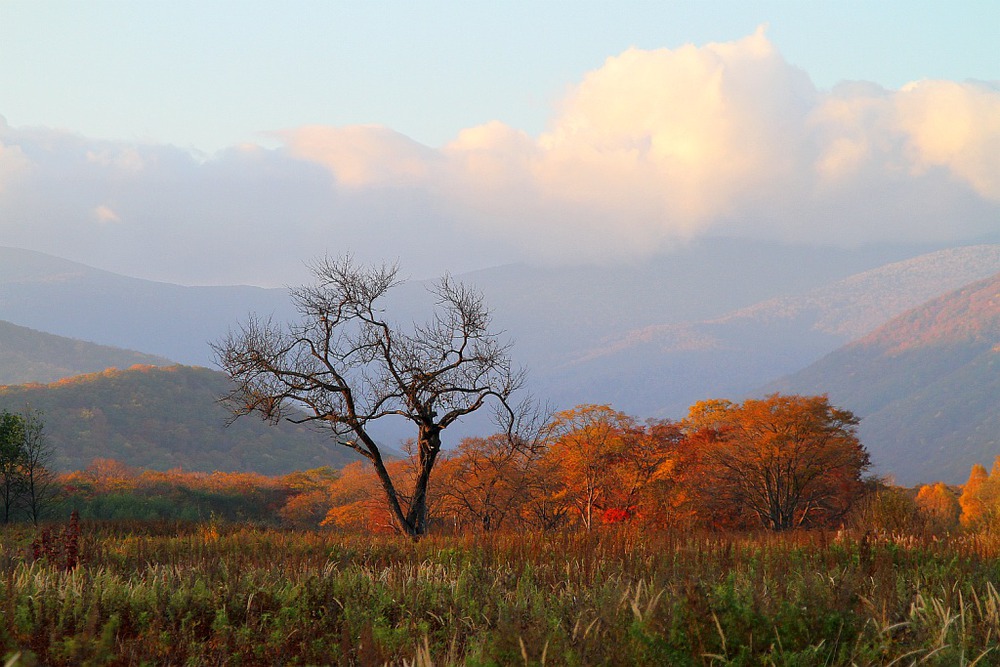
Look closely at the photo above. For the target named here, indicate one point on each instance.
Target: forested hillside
(163, 418)
(926, 385)
(27, 355)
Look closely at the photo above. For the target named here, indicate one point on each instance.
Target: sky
(231, 142)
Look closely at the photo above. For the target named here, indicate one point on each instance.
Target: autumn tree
(939, 506)
(606, 461)
(584, 441)
(980, 499)
(354, 500)
(544, 505)
(111, 476)
(309, 496)
(786, 461)
(486, 479)
(652, 475)
(345, 365)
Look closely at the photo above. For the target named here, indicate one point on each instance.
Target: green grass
(210, 593)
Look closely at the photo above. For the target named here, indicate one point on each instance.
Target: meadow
(214, 592)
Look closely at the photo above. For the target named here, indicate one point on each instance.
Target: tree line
(783, 462)
(480, 489)
(778, 463)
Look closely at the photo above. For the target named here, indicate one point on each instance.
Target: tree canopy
(789, 461)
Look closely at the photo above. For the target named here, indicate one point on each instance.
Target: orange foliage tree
(585, 441)
(606, 461)
(544, 506)
(784, 461)
(980, 499)
(310, 497)
(939, 506)
(355, 503)
(486, 481)
(659, 472)
(111, 475)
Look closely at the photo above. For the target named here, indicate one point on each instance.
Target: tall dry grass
(216, 593)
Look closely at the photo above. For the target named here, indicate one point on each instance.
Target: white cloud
(650, 149)
(954, 125)
(361, 156)
(13, 162)
(655, 147)
(104, 214)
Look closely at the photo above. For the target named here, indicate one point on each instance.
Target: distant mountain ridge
(27, 355)
(553, 313)
(163, 418)
(716, 319)
(926, 385)
(672, 365)
(856, 305)
(76, 301)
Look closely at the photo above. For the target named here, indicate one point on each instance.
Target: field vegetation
(746, 534)
(905, 581)
(221, 593)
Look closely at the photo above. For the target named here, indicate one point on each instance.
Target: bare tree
(38, 481)
(26, 483)
(346, 365)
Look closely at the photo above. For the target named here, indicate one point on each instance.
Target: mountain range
(76, 301)
(659, 370)
(719, 319)
(551, 312)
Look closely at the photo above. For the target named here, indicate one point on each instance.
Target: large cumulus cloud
(650, 149)
(656, 147)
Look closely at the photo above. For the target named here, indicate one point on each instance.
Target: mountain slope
(164, 418)
(662, 369)
(173, 321)
(27, 355)
(926, 384)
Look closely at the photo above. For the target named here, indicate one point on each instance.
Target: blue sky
(205, 75)
(175, 140)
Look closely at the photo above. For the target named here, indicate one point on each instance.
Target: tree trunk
(428, 447)
(387, 486)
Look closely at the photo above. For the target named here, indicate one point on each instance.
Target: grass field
(213, 594)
